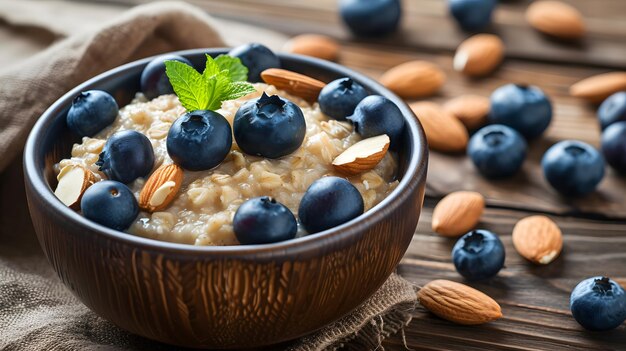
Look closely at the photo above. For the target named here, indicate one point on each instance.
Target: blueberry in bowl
(126, 156)
(91, 112)
(377, 115)
(154, 82)
(573, 168)
(257, 57)
(339, 98)
(478, 255)
(119, 274)
(264, 220)
(497, 151)
(524, 108)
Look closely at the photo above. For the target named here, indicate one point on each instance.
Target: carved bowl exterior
(220, 297)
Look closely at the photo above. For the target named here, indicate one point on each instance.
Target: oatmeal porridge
(203, 210)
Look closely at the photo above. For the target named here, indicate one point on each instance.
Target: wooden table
(534, 299)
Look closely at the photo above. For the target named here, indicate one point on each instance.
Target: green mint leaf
(211, 68)
(236, 70)
(188, 84)
(238, 89)
(219, 84)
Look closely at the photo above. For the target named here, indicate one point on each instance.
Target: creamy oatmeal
(203, 210)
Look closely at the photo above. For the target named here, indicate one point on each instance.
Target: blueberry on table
(154, 82)
(612, 110)
(91, 112)
(478, 254)
(376, 115)
(269, 126)
(614, 146)
(524, 108)
(329, 202)
(472, 15)
(126, 156)
(598, 304)
(573, 168)
(339, 98)
(263, 220)
(371, 17)
(199, 140)
(111, 204)
(497, 151)
(257, 58)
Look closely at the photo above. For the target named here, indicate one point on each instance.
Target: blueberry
(524, 108)
(340, 97)
(472, 15)
(199, 140)
(154, 81)
(329, 202)
(269, 126)
(598, 303)
(371, 17)
(612, 110)
(573, 168)
(111, 204)
(126, 156)
(497, 151)
(376, 115)
(478, 254)
(91, 112)
(614, 146)
(262, 220)
(257, 58)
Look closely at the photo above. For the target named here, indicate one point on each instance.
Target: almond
(443, 131)
(597, 88)
(538, 239)
(73, 181)
(458, 213)
(556, 18)
(161, 188)
(479, 55)
(414, 79)
(314, 45)
(294, 83)
(362, 156)
(458, 303)
(471, 110)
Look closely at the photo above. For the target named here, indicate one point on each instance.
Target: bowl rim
(415, 172)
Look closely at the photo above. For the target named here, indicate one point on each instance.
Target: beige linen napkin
(36, 311)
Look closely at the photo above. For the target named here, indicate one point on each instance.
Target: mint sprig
(224, 78)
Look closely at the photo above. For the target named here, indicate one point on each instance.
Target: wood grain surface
(534, 299)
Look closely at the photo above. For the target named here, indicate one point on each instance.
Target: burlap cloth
(36, 311)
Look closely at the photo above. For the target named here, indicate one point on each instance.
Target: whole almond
(458, 303)
(538, 239)
(414, 79)
(73, 181)
(362, 156)
(556, 18)
(294, 83)
(471, 110)
(458, 213)
(597, 88)
(161, 188)
(479, 55)
(314, 45)
(444, 132)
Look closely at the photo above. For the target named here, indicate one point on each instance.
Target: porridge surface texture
(203, 210)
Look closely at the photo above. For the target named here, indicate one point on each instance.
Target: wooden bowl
(220, 297)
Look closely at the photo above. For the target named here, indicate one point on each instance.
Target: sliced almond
(458, 213)
(444, 132)
(362, 156)
(458, 303)
(597, 88)
(161, 188)
(294, 83)
(73, 181)
(414, 79)
(556, 18)
(471, 110)
(538, 239)
(314, 45)
(479, 55)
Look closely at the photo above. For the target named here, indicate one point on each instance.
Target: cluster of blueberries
(597, 303)
(270, 127)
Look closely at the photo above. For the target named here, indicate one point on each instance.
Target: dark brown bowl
(220, 297)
